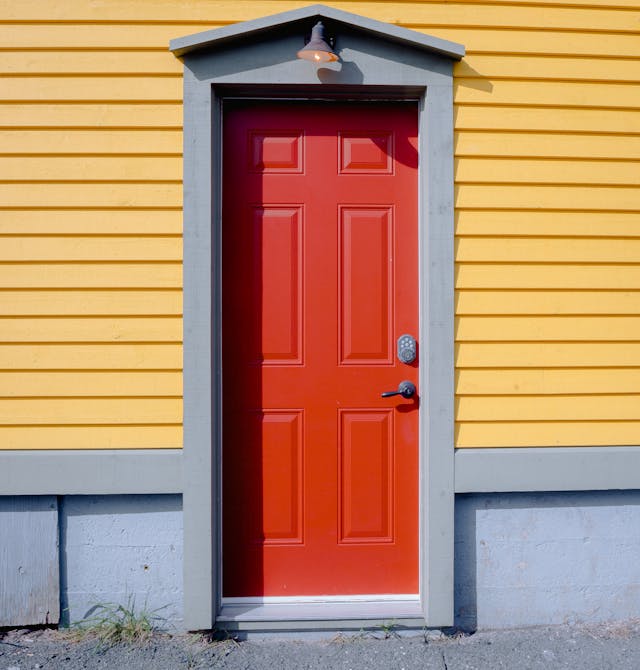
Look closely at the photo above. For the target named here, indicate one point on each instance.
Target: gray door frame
(411, 68)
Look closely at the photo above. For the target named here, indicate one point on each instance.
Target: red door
(320, 262)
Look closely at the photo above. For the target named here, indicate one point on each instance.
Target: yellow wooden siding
(90, 235)
(547, 222)
(547, 165)
(59, 411)
(94, 116)
(504, 355)
(90, 329)
(74, 383)
(30, 275)
(546, 119)
(74, 356)
(59, 436)
(149, 169)
(89, 222)
(547, 303)
(91, 303)
(82, 142)
(510, 276)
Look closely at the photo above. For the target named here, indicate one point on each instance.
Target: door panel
(365, 285)
(320, 263)
(366, 482)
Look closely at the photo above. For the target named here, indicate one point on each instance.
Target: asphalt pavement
(583, 647)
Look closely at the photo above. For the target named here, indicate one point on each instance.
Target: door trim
(436, 423)
(427, 77)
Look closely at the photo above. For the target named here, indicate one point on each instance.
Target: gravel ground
(580, 647)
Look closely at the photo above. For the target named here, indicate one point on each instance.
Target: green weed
(112, 623)
(389, 629)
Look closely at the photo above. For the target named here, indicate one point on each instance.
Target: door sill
(320, 612)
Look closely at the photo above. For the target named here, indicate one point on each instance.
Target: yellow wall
(547, 222)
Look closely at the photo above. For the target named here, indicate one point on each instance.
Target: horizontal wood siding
(547, 169)
(90, 231)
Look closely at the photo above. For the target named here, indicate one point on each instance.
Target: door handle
(405, 389)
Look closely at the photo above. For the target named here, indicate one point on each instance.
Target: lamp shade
(317, 50)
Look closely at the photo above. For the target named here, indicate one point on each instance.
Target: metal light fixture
(317, 50)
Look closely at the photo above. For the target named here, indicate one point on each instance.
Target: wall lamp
(317, 50)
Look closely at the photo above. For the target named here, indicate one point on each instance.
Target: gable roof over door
(259, 28)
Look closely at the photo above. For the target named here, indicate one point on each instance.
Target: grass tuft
(112, 623)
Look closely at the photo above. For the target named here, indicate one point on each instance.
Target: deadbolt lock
(406, 348)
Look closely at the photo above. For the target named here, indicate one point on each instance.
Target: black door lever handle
(405, 389)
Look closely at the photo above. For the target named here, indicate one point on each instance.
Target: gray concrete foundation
(527, 559)
(521, 559)
(62, 557)
(122, 549)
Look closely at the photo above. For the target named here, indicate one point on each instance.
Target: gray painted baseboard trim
(116, 471)
(109, 471)
(546, 469)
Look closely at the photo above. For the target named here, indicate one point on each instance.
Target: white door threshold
(323, 612)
